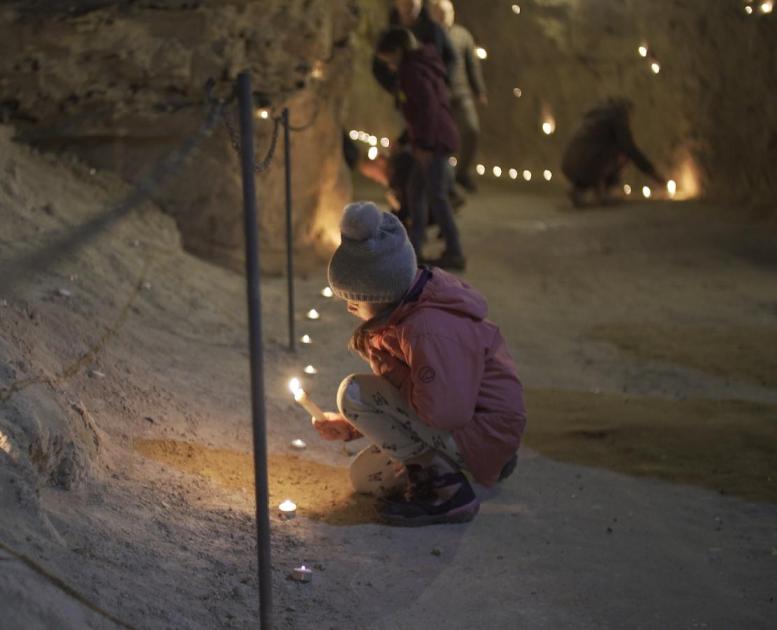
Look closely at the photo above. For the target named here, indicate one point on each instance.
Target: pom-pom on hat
(375, 261)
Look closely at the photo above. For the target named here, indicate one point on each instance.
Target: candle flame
(516, 9)
(627, 189)
(287, 506)
(642, 50)
(372, 153)
(327, 292)
(671, 187)
(309, 369)
(655, 67)
(547, 174)
(513, 173)
(481, 169)
(646, 192)
(527, 175)
(306, 339)
(313, 314)
(295, 387)
(497, 171)
(481, 52)
(385, 142)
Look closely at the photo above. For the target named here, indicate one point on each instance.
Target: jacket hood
(425, 59)
(442, 291)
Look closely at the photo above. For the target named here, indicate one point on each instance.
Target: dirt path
(156, 526)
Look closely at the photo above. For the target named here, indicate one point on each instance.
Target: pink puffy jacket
(452, 366)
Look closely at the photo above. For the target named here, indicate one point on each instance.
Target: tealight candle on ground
(480, 169)
(305, 339)
(309, 369)
(655, 67)
(302, 574)
(385, 143)
(302, 398)
(513, 173)
(313, 314)
(627, 189)
(481, 52)
(497, 171)
(288, 509)
(642, 50)
(527, 175)
(547, 174)
(327, 292)
(298, 444)
(671, 187)
(372, 153)
(646, 192)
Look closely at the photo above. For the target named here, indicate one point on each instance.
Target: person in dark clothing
(600, 149)
(413, 15)
(423, 98)
(467, 88)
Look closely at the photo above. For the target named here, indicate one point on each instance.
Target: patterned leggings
(376, 408)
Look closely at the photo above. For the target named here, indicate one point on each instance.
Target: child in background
(423, 99)
(444, 395)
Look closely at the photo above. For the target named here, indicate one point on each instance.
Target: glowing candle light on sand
(303, 400)
(642, 50)
(497, 171)
(481, 52)
(313, 314)
(353, 134)
(372, 153)
(767, 6)
(646, 192)
(547, 174)
(327, 292)
(302, 574)
(749, 10)
(480, 169)
(305, 339)
(548, 127)
(671, 187)
(299, 445)
(288, 509)
(452, 160)
(513, 173)
(517, 92)
(626, 189)
(262, 113)
(373, 141)
(655, 67)
(385, 142)
(527, 175)
(309, 369)
(516, 9)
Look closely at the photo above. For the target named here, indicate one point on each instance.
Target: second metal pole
(255, 342)
(289, 229)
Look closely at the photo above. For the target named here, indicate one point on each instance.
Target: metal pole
(289, 229)
(255, 342)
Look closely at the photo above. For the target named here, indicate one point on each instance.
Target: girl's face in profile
(364, 310)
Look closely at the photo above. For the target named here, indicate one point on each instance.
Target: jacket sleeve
(385, 77)
(444, 380)
(419, 108)
(474, 69)
(626, 144)
(447, 53)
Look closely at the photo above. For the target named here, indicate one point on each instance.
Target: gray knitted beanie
(375, 261)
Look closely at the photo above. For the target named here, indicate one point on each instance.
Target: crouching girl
(443, 396)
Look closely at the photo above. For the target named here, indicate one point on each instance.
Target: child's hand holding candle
(334, 427)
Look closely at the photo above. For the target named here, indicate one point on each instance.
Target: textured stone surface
(712, 105)
(121, 84)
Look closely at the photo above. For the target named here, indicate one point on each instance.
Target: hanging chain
(234, 137)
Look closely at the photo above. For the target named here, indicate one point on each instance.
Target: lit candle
(547, 174)
(627, 189)
(642, 50)
(655, 67)
(549, 126)
(302, 398)
(288, 509)
(767, 6)
(749, 10)
(516, 9)
(309, 369)
(497, 171)
(527, 175)
(671, 187)
(305, 339)
(481, 52)
(452, 160)
(372, 153)
(299, 445)
(513, 173)
(327, 292)
(263, 114)
(385, 143)
(646, 192)
(313, 314)
(302, 574)
(373, 140)
(480, 169)
(517, 93)
(353, 134)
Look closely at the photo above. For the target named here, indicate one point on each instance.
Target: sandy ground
(140, 512)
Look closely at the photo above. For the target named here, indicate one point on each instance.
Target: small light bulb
(513, 173)
(309, 369)
(480, 169)
(327, 292)
(527, 175)
(481, 52)
(516, 9)
(627, 189)
(655, 67)
(372, 153)
(385, 142)
(517, 93)
(642, 50)
(547, 175)
(497, 171)
(646, 192)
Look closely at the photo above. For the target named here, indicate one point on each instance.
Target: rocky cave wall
(708, 118)
(120, 84)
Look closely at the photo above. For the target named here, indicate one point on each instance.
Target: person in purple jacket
(423, 99)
